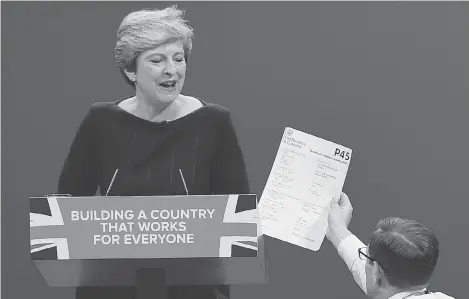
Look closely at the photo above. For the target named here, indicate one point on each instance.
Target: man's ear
(378, 274)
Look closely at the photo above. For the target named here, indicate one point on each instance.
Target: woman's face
(160, 73)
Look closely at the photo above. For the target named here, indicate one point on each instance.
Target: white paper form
(306, 174)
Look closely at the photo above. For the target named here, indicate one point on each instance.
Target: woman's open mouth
(169, 85)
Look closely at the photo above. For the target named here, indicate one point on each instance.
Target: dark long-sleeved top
(149, 156)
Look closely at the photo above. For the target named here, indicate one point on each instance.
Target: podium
(148, 242)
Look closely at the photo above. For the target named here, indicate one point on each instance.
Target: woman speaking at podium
(159, 141)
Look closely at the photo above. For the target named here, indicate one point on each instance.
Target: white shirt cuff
(348, 249)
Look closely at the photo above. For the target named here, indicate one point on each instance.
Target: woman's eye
(156, 60)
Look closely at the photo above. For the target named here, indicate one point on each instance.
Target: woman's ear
(131, 75)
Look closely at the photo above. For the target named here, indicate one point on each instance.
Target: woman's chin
(168, 95)
(166, 99)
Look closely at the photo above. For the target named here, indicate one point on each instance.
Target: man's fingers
(334, 202)
(344, 200)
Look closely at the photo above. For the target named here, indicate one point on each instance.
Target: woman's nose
(170, 68)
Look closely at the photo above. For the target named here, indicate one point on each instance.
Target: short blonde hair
(145, 29)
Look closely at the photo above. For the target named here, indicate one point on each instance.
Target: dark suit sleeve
(229, 174)
(79, 175)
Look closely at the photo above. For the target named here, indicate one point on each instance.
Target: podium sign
(177, 233)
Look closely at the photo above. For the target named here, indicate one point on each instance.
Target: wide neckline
(159, 123)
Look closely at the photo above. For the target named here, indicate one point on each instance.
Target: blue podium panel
(104, 241)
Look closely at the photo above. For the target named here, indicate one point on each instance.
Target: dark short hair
(407, 251)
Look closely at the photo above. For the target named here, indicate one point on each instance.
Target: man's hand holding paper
(307, 173)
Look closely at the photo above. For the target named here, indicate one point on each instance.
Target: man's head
(401, 254)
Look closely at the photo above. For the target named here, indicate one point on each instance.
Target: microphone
(183, 181)
(112, 181)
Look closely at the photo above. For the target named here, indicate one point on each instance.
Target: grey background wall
(389, 80)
